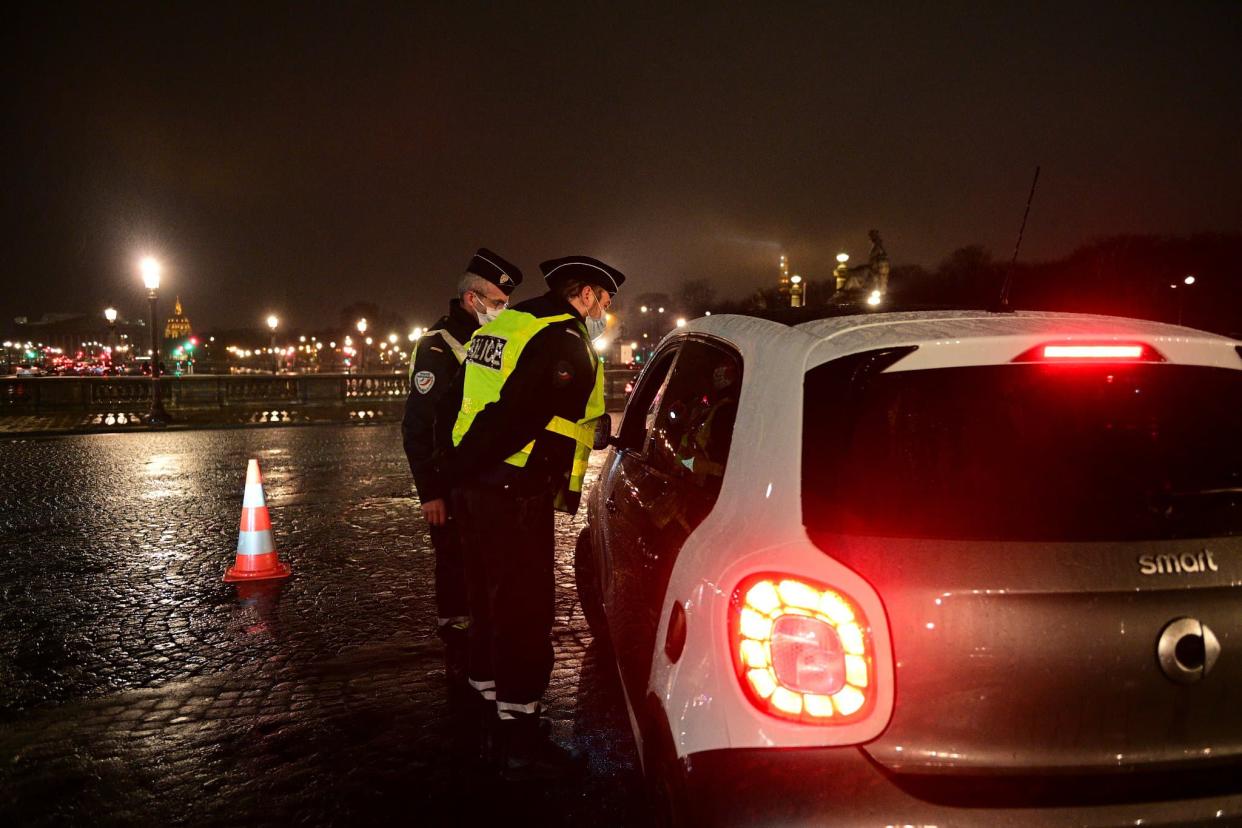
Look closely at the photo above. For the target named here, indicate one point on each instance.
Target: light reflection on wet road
(133, 682)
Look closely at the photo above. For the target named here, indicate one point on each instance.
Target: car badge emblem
(1187, 650)
(1187, 562)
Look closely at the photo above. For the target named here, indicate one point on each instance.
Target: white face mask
(484, 313)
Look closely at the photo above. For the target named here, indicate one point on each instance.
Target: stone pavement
(137, 688)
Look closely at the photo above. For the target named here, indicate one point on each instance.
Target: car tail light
(1090, 352)
(802, 651)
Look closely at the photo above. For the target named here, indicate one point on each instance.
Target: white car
(936, 568)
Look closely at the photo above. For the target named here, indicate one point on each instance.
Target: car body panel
(1032, 657)
(842, 786)
(979, 637)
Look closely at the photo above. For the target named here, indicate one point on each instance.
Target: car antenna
(1002, 302)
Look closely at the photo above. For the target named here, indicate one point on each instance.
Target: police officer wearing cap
(482, 293)
(530, 395)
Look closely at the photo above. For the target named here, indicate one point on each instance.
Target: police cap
(487, 265)
(584, 269)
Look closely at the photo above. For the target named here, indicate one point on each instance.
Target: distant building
(71, 331)
(178, 325)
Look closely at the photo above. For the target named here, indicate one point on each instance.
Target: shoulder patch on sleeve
(563, 374)
(423, 380)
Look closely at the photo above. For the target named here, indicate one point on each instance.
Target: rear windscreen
(1023, 451)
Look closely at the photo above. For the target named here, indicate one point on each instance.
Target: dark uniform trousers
(510, 546)
(451, 591)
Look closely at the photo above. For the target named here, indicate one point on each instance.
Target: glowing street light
(362, 329)
(681, 322)
(110, 315)
(272, 322)
(875, 298)
(151, 270)
(842, 258)
(1181, 297)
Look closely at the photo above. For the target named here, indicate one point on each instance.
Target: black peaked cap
(584, 269)
(487, 265)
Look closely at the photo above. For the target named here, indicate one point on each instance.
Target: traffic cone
(256, 553)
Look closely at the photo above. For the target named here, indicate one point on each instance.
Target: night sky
(296, 158)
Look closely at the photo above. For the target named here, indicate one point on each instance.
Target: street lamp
(151, 270)
(1181, 297)
(795, 291)
(840, 271)
(110, 315)
(362, 329)
(272, 322)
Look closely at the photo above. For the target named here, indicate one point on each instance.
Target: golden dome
(178, 325)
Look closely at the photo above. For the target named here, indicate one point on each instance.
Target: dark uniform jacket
(553, 377)
(434, 370)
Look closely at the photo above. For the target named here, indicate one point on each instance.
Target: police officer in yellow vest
(531, 393)
(482, 293)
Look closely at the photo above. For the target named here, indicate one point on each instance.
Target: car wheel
(587, 578)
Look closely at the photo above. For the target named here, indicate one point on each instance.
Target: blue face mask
(596, 327)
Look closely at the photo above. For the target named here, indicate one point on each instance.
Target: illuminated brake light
(802, 651)
(1091, 352)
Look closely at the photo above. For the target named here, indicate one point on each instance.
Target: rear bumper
(842, 786)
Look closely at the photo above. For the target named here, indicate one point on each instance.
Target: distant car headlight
(802, 651)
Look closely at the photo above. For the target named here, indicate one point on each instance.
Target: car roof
(966, 337)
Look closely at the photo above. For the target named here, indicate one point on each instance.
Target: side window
(693, 425)
(645, 400)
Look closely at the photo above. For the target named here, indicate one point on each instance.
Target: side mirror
(603, 433)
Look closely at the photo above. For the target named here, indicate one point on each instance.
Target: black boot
(528, 753)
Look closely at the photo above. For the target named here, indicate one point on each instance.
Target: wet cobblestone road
(137, 688)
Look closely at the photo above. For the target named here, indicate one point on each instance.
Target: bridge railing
(31, 395)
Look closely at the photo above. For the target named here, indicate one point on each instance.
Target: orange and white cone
(256, 552)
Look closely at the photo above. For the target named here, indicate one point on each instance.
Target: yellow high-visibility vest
(499, 345)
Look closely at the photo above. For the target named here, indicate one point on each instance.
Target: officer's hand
(435, 511)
